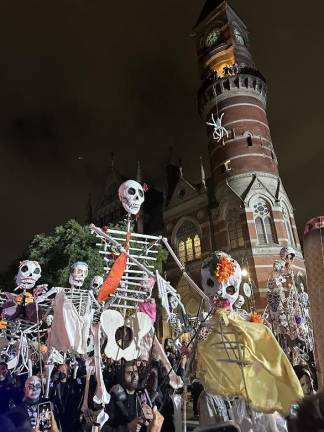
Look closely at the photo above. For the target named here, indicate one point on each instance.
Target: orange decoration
(28, 298)
(43, 348)
(116, 272)
(3, 324)
(256, 318)
(224, 269)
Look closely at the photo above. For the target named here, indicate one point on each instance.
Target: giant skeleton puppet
(21, 317)
(74, 308)
(130, 310)
(236, 356)
(287, 311)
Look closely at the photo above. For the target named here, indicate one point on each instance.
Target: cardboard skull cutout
(28, 274)
(131, 195)
(78, 273)
(221, 277)
(96, 283)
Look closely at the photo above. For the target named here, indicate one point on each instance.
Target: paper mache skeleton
(219, 130)
(231, 358)
(287, 311)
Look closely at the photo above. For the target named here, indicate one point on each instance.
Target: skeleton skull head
(221, 277)
(78, 273)
(239, 302)
(28, 274)
(131, 195)
(287, 254)
(49, 320)
(96, 283)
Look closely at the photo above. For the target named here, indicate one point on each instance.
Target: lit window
(189, 249)
(181, 251)
(197, 246)
(189, 244)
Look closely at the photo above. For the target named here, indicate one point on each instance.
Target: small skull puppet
(96, 283)
(78, 274)
(28, 274)
(238, 307)
(221, 278)
(287, 254)
(131, 195)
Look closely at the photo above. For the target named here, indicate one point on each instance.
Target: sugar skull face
(96, 283)
(221, 277)
(131, 195)
(32, 388)
(78, 273)
(28, 274)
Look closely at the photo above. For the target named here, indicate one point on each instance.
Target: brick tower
(253, 218)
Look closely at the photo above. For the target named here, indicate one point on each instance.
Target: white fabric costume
(69, 330)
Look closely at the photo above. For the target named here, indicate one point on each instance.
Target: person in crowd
(24, 415)
(196, 388)
(308, 415)
(128, 411)
(66, 395)
(9, 391)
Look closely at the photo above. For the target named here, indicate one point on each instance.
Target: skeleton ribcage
(134, 287)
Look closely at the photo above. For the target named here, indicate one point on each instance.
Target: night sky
(80, 79)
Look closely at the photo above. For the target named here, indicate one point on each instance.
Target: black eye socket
(95, 285)
(24, 269)
(37, 271)
(230, 290)
(131, 191)
(210, 282)
(140, 193)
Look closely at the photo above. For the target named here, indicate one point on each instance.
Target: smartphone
(45, 416)
(144, 399)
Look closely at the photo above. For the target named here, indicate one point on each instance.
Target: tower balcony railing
(228, 71)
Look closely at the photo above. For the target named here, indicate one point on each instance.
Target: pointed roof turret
(209, 6)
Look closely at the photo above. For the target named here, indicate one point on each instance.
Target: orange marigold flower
(256, 318)
(224, 269)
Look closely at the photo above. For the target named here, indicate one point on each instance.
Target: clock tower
(253, 217)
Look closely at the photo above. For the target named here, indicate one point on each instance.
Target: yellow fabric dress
(242, 358)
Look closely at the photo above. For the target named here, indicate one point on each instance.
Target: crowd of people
(140, 399)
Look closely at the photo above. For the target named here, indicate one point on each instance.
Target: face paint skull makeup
(28, 274)
(221, 277)
(131, 195)
(96, 283)
(32, 388)
(78, 273)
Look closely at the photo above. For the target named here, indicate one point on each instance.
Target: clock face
(212, 38)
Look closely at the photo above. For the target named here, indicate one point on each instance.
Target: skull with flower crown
(221, 278)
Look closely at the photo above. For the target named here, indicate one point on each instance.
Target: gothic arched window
(188, 242)
(287, 222)
(234, 228)
(264, 225)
